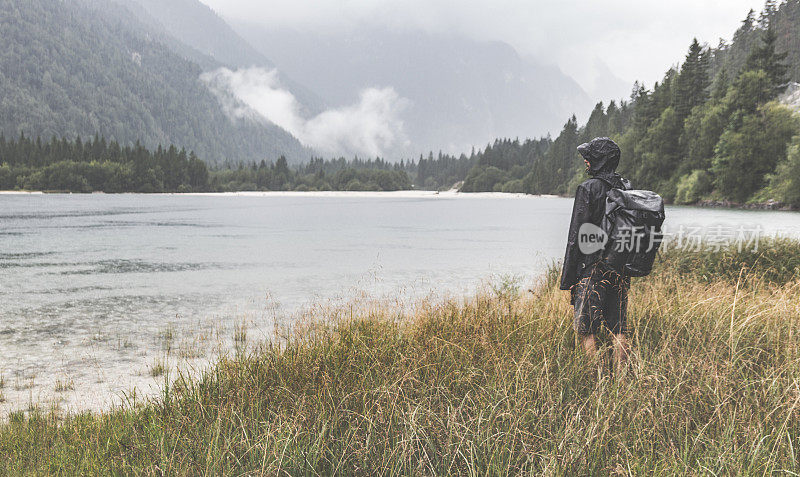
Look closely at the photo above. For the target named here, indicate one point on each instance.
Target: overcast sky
(637, 39)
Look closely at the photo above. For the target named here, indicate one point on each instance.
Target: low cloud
(372, 127)
(637, 39)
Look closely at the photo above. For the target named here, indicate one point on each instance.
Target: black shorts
(600, 299)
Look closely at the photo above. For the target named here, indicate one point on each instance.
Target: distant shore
(726, 204)
(383, 194)
(414, 193)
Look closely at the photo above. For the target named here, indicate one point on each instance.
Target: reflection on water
(98, 290)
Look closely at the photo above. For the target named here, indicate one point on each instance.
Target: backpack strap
(607, 181)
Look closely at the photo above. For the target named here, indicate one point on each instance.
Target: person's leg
(594, 359)
(588, 314)
(581, 301)
(619, 311)
(622, 349)
(589, 345)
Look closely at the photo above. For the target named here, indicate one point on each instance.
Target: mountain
(605, 84)
(197, 25)
(461, 92)
(194, 24)
(67, 69)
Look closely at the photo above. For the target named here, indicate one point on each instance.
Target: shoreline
(411, 193)
(726, 204)
(770, 205)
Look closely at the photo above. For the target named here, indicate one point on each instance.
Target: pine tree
(721, 84)
(596, 125)
(766, 58)
(765, 19)
(746, 27)
(692, 82)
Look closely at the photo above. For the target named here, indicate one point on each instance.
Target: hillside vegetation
(711, 129)
(487, 385)
(97, 165)
(67, 70)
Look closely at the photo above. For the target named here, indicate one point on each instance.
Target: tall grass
(775, 260)
(489, 385)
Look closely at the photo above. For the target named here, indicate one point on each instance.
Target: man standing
(599, 293)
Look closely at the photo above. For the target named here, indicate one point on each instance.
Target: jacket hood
(602, 154)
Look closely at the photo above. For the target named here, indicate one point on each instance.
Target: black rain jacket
(590, 202)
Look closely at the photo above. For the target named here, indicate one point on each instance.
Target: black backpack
(632, 221)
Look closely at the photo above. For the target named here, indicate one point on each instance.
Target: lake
(99, 291)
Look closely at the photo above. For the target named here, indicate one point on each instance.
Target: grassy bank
(490, 385)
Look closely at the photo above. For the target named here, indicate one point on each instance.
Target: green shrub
(692, 187)
(514, 187)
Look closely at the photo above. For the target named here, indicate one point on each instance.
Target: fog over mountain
(455, 92)
(365, 92)
(634, 40)
(249, 87)
(369, 127)
(373, 92)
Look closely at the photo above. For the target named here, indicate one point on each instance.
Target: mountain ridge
(69, 71)
(198, 26)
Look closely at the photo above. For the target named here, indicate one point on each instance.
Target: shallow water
(97, 290)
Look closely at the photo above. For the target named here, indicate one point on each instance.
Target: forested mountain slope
(711, 129)
(783, 18)
(68, 70)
